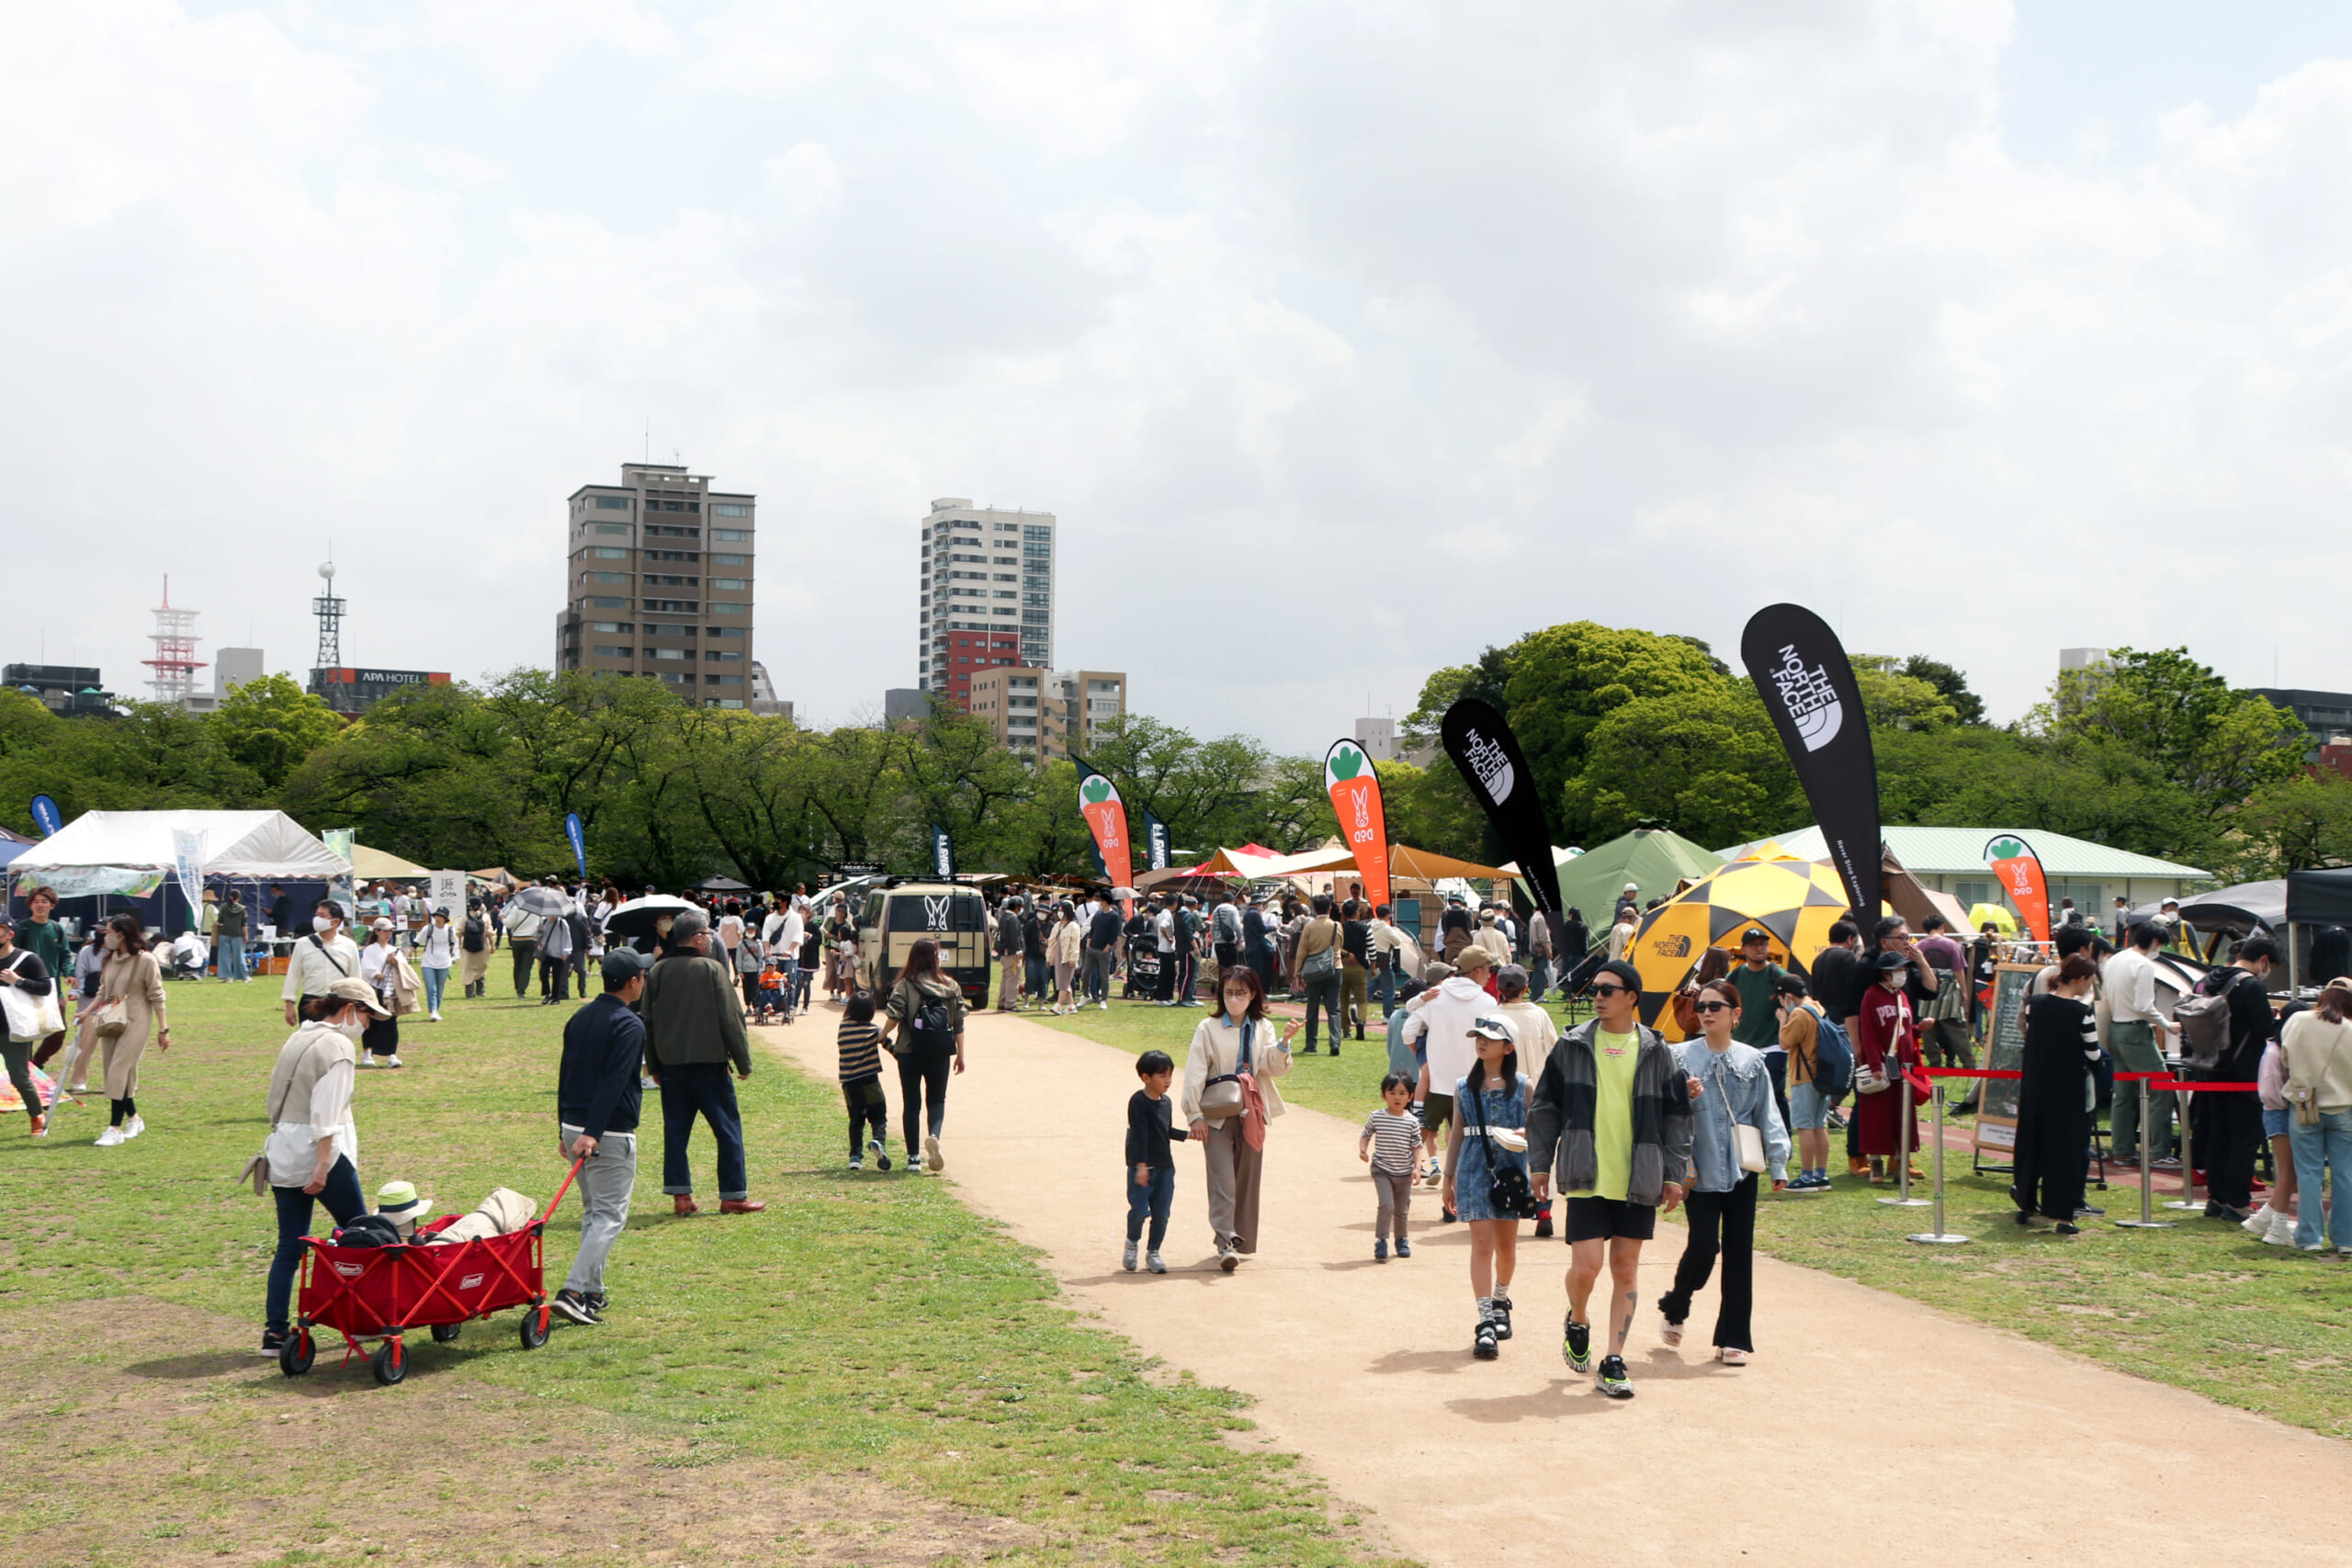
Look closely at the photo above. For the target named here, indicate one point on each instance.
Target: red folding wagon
(381, 1292)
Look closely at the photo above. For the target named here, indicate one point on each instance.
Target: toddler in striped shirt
(1392, 1138)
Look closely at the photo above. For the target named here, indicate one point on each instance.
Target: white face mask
(323, 923)
(349, 1031)
(113, 939)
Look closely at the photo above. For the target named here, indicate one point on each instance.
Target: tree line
(2152, 753)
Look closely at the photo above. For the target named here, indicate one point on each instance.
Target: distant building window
(608, 577)
(669, 531)
(674, 606)
(612, 503)
(730, 560)
(727, 656)
(725, 631)
(733, 536)
(611, 528)
(667, 653)
(601, 601)
(718, 607)
(730, 509)
(608, 651)
(722, 680)
(611, 627)
(731, 702)
(1037, 532)
(738, 584)
(606, 552)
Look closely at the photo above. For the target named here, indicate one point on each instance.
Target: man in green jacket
(47, 940)
(693, 1032)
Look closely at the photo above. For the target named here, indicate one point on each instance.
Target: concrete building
(2080, 658)
(233, 667)
(658, 573)
(905, 705)
(764, 701)
(1046, 714)
(2328, 715)
(60, 688)
(1377, 737)
(986, 599)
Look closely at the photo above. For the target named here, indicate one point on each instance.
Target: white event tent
(130, 852)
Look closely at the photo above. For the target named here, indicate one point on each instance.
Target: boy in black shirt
(1151, 1168)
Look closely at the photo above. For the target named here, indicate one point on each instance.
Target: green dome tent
(1652, 858)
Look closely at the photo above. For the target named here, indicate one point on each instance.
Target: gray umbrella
(542, 901)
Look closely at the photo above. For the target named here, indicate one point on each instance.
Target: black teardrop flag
(942, 854)
(1155, 841)
(1807, 683)
(1488, 756)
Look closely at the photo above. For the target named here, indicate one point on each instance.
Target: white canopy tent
(131, 851)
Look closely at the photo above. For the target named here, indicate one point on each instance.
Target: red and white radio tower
(176, 662)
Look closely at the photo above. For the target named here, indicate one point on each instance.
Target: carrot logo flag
(1106, 818)
(2019, 870)
(1354, 787)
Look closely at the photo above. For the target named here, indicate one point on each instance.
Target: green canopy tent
(1653, 859)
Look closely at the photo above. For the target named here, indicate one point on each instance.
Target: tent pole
(2294, 982)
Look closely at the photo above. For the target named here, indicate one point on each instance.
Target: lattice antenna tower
(328, 607)
(176, 662)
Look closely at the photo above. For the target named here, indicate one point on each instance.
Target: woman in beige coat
(1233, 1038)
(1061, 952)
(132, 977)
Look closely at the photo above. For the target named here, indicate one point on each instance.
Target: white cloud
(1369, 335)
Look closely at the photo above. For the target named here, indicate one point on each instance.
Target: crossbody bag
(1222, 1097)
(1507, 1185)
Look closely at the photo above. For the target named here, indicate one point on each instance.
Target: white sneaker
(2282, 1230)
(133, 1127)
(932, 1159)
(393, 1060)
(1127, 1259)
(1151, 1261)
(365, 1060)
(437, 1015)
(2258, 1223)
(110, 1138)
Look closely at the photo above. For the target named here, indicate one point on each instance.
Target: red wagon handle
(559, 1191)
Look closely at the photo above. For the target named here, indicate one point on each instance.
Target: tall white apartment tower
(987, 596)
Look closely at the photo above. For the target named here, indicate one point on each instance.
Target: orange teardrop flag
(1106, 818)
(1354, 787)
(2019, 870)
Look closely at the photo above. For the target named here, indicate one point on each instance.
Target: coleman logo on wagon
(471, 1282)
(1811, 699)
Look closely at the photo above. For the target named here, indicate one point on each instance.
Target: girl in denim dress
(1496, 1122)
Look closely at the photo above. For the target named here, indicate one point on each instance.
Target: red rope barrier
(2195, 1086)
(1969, 1073)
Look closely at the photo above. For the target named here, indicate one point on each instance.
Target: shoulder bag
(1221, 1096)
(1324, 961)
(1507, 1185)
(30, 1018)
(2304, 1096)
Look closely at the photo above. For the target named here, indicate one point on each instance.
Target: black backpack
(933, 1022)
(473, 934)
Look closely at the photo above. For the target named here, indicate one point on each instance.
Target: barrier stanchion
(2187, 1199)
(1939, 1236)
(1903, 1198)
(2147, 1220)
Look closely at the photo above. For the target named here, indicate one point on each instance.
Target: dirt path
(2006, 1451)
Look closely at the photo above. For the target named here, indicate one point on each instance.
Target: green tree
(1488, 680)
(2218, 746)
(1705, 762)
(269, 725)
(1967, 707)
(1567, 679)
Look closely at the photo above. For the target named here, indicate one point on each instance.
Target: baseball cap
(352, 989)
(1474, 957)
(1495, 1028)
(621, 965)
(1890, 959)
(1753, 934)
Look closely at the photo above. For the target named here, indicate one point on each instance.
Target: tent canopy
(2236, 911)
(2319, 898)
(1403, 861)
(111, 851)
(1653, 859)
(379, 863)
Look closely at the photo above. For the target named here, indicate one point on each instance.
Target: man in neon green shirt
(1611, 1119)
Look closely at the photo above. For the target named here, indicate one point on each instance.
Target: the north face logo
(1493, 768)
(1811, 699)
(1671, 947)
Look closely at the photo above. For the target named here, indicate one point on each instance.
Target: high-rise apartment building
(987, 597)
(657, 582)
(1046, 714)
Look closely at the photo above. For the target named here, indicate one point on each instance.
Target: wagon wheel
(534, 1327)
(295, 1356)
(445, 1332)
(390, 1361)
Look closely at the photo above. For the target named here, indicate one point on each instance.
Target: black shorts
(1598, 1219)
(1437, 1110)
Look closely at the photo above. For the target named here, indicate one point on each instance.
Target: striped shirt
(1396, 1140)
(860, 1046)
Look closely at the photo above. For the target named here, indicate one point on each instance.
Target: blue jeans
(229, 957)
(435, 982)
(1383, 986)
(1323, 990)
(2328, 1144)
(801, 981)
(341, 1195)
(707, 1089)
(1539, 979)
(1150, 1199)
(1033, 966)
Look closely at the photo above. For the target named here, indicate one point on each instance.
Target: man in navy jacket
(599, 1092)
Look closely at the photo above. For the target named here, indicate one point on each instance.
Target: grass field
(867, 1359)
(2202, 1306)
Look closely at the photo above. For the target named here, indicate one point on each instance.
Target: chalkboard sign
(1996, 1116)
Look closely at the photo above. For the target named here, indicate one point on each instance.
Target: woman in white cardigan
(1233, 1040)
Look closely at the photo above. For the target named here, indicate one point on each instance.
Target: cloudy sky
(1345, 339)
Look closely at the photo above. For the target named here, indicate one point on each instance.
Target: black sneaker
(1481, 1343)
(598, 1302)
(1448, 1216)
(273, 1340)
(1575, 1345)
(1612, 1381)
(1502, 1317)
(574, 1305)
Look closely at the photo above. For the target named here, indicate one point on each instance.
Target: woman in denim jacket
(1730, 1085)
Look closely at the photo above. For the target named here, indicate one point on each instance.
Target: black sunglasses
(1711, 1006)
(1611, 990)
